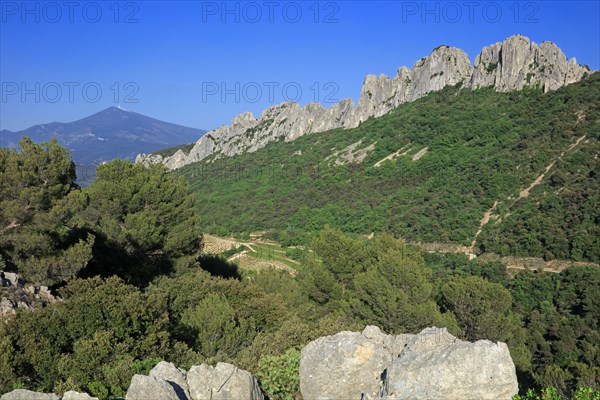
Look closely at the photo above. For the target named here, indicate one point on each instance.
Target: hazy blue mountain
(108, 134)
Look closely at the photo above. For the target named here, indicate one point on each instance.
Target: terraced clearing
(254, 255)
(261, 254)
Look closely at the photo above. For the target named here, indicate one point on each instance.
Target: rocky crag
(15, 293)
(513, 64)
(349, 365)
(430, 365)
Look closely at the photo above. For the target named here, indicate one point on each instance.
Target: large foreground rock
(144, 387)
(201, 382)
(222, 382)
(436, 365)
(22, 394)
(346, 365)
(72, 395)
(431, 365)
(174, 376)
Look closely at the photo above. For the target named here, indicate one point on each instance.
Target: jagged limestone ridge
(513, 64)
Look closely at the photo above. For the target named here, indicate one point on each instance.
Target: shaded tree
(35, 239)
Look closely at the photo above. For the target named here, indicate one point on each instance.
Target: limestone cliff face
(380, 94)
(517, 63)
(511, 65)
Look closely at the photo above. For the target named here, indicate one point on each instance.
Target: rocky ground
(15, 293)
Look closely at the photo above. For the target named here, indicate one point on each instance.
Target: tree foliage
(35, 179)
(280, 375)
(91, 341)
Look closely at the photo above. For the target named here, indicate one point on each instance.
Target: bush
(550, 393)
(279, 376)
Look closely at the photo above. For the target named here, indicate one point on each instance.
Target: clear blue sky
(172, 57)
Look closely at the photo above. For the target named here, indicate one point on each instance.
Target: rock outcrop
(176, 377)
(511, 65)
(73, 395)
(144, 387)
(431, 365)
(517, 63)
(22, 394)
(347, 365)
(15, 293)
(435, 365)
(221, 382)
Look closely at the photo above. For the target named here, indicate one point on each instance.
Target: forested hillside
(522, 166)
(125, 256)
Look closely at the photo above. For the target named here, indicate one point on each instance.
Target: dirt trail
(420, 154)
(538, 180)
(392, 156)
(510, 262)
(489, 214)
(525, 192)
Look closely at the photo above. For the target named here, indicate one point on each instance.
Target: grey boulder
(430, 365)
(22, 394)
(144, 387)
(174, 376)
(436, 365)
(347, 365)
(222, 382)
(72, 395)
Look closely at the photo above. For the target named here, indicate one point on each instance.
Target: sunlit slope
(514, 173)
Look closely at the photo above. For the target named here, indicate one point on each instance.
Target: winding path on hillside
(489, 214)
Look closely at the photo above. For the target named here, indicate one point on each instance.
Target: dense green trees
(550, 393)
(139, 207)
(132, 221)
(550, 323)
(483, 310)
(563, 326)
(35, 180)
(105, 330)
(382, 282)
(95, 340)
(143, 219)
(396, 291)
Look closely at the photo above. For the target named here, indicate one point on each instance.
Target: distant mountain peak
(117, 108)
(112, 110)
(108, 134)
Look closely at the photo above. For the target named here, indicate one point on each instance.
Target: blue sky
(200, 63)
